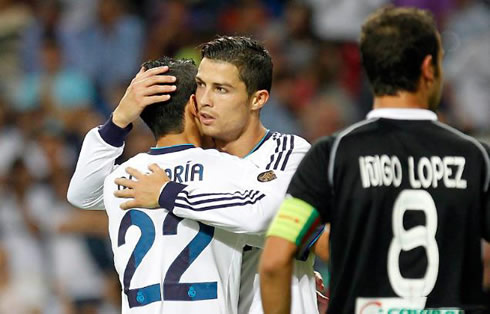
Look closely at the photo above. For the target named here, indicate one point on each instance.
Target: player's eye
(200, 84)
(221, 90)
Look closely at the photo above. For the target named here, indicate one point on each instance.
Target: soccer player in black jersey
(407, 197)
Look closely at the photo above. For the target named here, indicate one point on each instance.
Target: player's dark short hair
(394, 43)
(168, 116)
(253, 61)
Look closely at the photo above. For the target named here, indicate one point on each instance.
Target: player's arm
(321, 245)
(290, 230)
(486, 195)
(100, 149)
(102, 146)
(276, 267)
(247, 208)
(237, 211)
(250, 214)
(288, 162)
(298, 152)
(294, 227)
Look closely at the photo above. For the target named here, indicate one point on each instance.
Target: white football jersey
(97, 159)
(276, 151)
(281, 153)
(169, 264)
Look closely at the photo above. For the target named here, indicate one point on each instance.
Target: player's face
(222, 99)
(436, 92)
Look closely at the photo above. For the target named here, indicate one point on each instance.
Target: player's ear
(259, 98)
(428, 69)
(193, 105)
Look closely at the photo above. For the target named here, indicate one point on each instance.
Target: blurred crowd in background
(65, 64)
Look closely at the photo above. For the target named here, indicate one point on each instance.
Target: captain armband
(295, 222)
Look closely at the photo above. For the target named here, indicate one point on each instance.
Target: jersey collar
(402, 114)
(266, 136)
(169, 149)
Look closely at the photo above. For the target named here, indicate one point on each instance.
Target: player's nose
(204, 98)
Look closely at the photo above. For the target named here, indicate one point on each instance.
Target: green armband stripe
(293, 221)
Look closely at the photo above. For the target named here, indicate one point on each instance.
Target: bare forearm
(275, 275)
(321, 247)
(276, 290)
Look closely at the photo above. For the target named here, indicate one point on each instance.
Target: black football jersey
(408, 202)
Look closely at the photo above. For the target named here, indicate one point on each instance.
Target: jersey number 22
(173, 289)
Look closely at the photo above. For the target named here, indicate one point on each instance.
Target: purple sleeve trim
(169, 194)
(112, 134)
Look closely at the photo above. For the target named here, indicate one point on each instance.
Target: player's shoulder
(452, 137)
(355, 130)
(486, 147)
(467, 144)
(280, 151)
(323, 143)
(330, 142)
(452, 134)
(282, 144)
(139, 162)
(284, 141)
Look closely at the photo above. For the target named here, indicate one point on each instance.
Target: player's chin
(211, 130)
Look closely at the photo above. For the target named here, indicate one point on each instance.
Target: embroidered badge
(267, 176)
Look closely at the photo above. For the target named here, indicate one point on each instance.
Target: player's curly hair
(394, 43)
(253, 61)
(168, 116)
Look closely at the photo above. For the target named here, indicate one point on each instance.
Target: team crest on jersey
(267, 176)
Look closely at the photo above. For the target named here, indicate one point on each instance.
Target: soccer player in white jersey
(234, 81)
(167, 264)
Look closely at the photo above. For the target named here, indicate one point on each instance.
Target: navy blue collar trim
(267, 135)
(169, 149)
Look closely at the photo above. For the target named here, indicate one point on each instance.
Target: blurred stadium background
(65, 64)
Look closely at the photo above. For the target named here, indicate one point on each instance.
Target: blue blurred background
(65, 64)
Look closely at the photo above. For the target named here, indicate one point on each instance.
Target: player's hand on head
(143, 189)
(146, 88)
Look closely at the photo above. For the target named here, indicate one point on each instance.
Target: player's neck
(242, 146)
(401, 100)
(190, 134)
(178, 139)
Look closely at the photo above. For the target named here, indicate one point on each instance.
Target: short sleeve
(310, 182)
